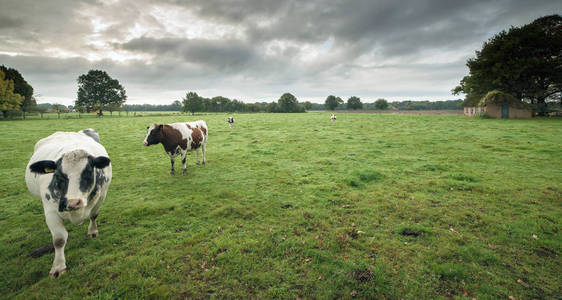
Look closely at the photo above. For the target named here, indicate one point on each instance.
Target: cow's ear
(160, 126)
(43, 167)
(100, 162)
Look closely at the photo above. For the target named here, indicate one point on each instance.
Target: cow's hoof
(93, 234)
(184, 171)
(204, 162)
(57, 272)
(172, 172)
(196, 162)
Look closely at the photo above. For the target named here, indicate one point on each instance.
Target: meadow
(292, 206)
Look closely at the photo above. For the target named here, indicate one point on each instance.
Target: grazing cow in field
(333, 118)
(230, 122)
(179, 138)
(70, 172)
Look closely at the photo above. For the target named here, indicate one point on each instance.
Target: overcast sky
(255, 50)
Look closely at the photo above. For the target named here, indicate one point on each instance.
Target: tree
(525, 62)
(80, 109)
(272, 107)
(381, 104)
(9, 100)
(97, 90)
(114, 107)
(21, 87)
(288, 103)
(58, 108)
(176, 105)
(307, 105)
(41, 110)
(192, 102)
(354, 103)
(332, 102)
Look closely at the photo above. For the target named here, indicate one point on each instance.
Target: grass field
(291, 206)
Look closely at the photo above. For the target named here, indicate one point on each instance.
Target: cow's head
(76, 179)
(153, 135)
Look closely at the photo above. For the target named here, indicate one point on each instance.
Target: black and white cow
(179, 138)
(70, 172)
(230, 122)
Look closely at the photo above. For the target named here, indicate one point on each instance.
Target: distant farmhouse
(497, 104)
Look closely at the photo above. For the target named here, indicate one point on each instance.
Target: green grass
(290, 205)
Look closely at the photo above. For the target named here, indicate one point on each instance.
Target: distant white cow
(70, 172)
(230, 122)
(333, 118)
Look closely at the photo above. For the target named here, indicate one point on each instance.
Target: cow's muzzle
(145, 143)
(74, 204)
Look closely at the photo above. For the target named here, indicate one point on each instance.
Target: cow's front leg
(60, 235)
(204, 150)
(172, 171)
(93, 227)
(183, 161)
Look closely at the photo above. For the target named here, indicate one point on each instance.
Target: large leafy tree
(9, 100)
(332, 102)
(381, 104)
(354, 103)
(21, 87)
(525, 62)
(288, 103)
(97, 90)
(192, 103)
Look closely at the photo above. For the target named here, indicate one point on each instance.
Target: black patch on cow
(87, 176)
(100, 180)
(47, 196)
(63, 202)
(59, 186)
(59, 242)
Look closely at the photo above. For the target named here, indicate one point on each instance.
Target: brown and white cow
(179, 138)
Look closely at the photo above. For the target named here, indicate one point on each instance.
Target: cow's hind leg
(204, 150)
(93, 227)
(197, 155)
(60, 235)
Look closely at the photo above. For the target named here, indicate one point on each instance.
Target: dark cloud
(256, 49)
(220, 55)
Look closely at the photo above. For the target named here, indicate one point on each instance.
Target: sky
(255, 50)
